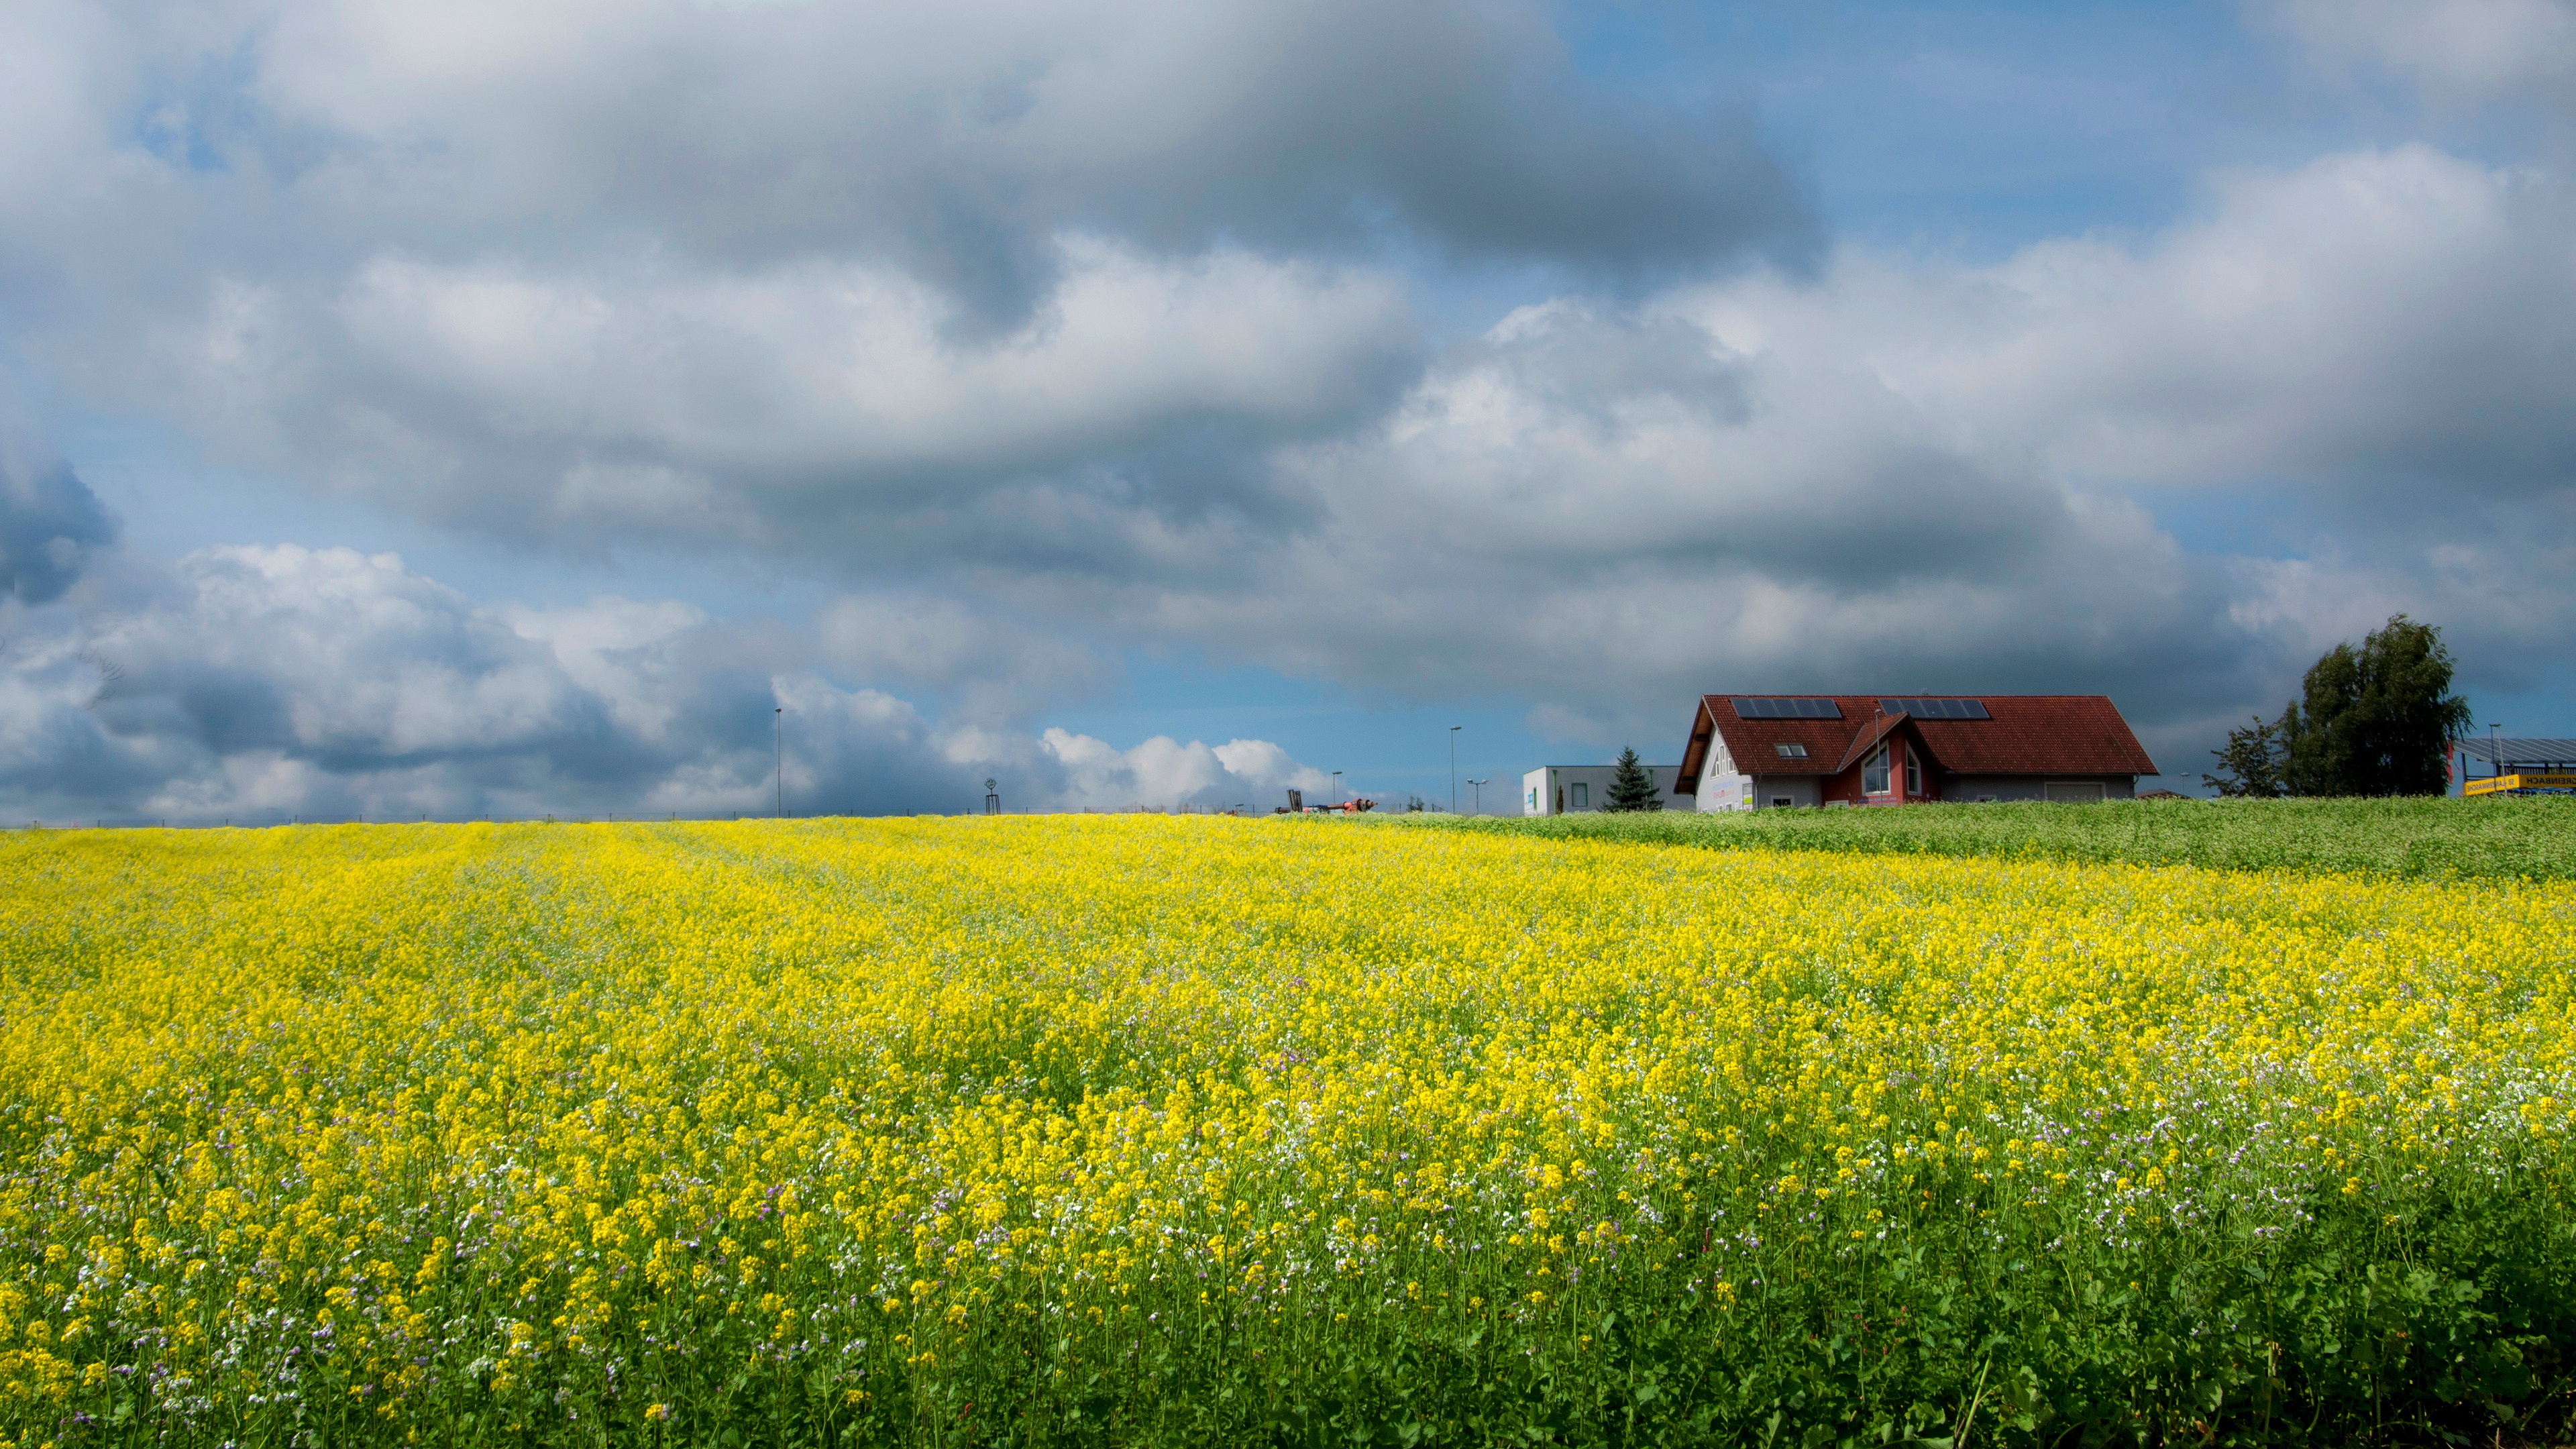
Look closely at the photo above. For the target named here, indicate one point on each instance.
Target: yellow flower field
(1134, 1129)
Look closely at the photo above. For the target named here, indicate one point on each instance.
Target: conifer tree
(1633, 788)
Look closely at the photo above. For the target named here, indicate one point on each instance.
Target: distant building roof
(2023, 734)
(2521, 751)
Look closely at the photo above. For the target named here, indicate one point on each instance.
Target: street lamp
(778, 750)
(1453, 767)
(1480, 795)
(2495, 750)
(1337, 787)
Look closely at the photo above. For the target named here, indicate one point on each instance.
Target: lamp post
(1480, 795)
(778, 751)
(1337, 787)
(2495, 749)
(1453, 767)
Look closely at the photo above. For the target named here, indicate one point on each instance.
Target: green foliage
(1632, 789)
(2369, 721)
(2490, 838)
(2252, 761)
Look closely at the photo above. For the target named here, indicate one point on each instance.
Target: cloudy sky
(527, 405)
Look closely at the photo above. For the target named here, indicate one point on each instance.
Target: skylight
(1791, 750)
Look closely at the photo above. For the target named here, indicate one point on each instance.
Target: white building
(1582, 789)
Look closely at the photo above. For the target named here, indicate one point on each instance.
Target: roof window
(1791, 750)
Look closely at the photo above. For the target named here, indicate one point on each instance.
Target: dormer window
(1791, 751)
(1873, 775)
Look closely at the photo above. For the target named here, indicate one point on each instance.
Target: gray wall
(1549, 779)
(2032, 787)
(1801, 790)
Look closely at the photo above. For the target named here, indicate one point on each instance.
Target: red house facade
(1772, 751)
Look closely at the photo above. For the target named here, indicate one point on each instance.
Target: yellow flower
(1048, 1090)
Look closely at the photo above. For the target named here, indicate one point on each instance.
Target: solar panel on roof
(1937, 708)
(1786, 709)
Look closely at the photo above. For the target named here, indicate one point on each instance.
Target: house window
(1873, 775)
(1780, 802)
(1790, 750)
(1913, 772)
(1582, 797)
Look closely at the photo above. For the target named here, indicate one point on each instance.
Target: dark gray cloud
(50, 525)
(819, 407)
(775, 274)
(960, 140)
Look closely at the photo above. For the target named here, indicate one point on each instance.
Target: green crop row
(2417, 839)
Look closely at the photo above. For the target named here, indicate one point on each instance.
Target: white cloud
(50, 93)
(991, 663)
(1162, 772)
(251, 681)
(2463, 51)
(2371, 314)
(1895, 470)
(658, 399)
(1920, 475)
(851, 365)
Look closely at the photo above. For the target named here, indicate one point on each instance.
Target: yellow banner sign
(2506, 783)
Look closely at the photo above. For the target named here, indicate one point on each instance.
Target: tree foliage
(1633, 788)
(2252, 762)
(2371, 720)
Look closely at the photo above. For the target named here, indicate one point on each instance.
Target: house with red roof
(1767, 751)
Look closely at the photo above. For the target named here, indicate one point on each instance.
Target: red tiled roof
(2028, 734)
(1825, 739)
(1878, 728)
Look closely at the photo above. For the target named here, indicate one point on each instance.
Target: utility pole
(778, 748)
(1453, 767)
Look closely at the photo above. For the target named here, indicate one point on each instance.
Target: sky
(512, 406)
